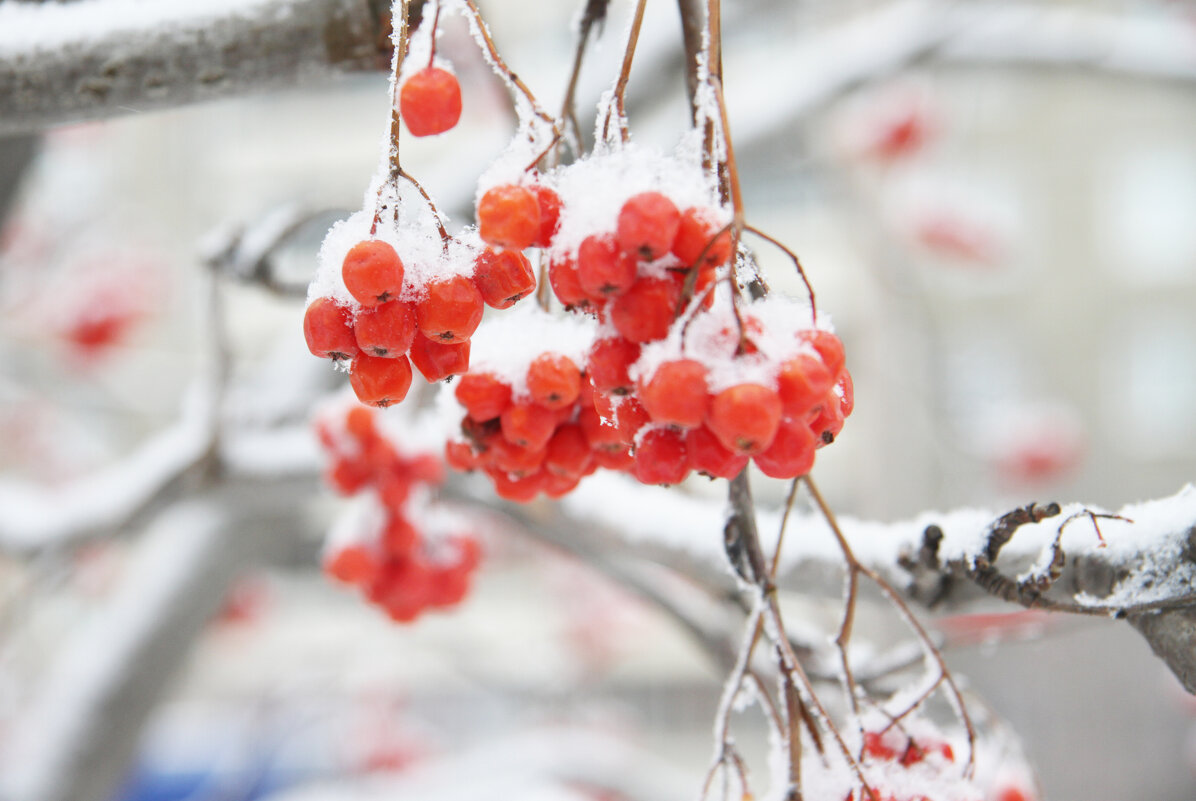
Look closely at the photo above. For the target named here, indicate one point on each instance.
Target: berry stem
(435, 27)
(796, 263)
(512, 80)
(444, 235)
(595, 13)
(396, 127)
(620, 92)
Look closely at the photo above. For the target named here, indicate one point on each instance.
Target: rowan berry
(802, 381)
(437, 360)
(826, 419)
(599, 435)
(328, 329)
(449, 586)
(553, 381)
(373, 272)
(503, 277)
(399, 536)
(519, 489)
(630, 416)
(647, 225)
(829, 347)
(509, 217)
(603, 270)
(483, 395)
(568, 452)
(348, 476)
(745, 417)
(608, 362)
(353, 564)
(380, 382)
(450, 310)
(550, 214)
(385, 330)
(660, 457)
(360, 423)
(460, 456)
(566, 284)
(514, 460)
(620, 460)
(645, 311)
(791, 453)
(697, 229)
(528, 424)
(430, 101)
(676, 393)
(708, 456)
(560, 485)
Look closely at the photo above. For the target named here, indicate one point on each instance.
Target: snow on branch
(99, 58)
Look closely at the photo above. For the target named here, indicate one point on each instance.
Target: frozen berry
(707, 455)
(608, 362)
(437, 360)
(802, 381)
(328, 329)
(373, 272)
(695, 232)
(353, 564)
(568, 452)
(378, 381)
(385, 330)
(509, 217)
(647, 225)
(676, 393)
(503, 277)
(450, 310)
(566, 284)
(553, 381)
(430, 101)
(791, 453)
(483, 395)
(745, 417)
(602, 269)
(660, 457)
(528, 424)
(550, 214)
(645, 312)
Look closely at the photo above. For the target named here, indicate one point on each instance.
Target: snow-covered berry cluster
(396, 545)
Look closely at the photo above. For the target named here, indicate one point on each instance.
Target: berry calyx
(451, 309)
(373, 272)
(430, 101)
(647, 225)
(745, 417)
(509, 217)
(328, 329)
(386, 330)
(503, 277)
(378, 381)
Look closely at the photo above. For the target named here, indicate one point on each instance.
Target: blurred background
(997, 207)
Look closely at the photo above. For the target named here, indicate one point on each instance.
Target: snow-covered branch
(66, 62)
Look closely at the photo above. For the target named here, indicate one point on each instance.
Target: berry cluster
(387, 549)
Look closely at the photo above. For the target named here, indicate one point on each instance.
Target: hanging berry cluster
(393, 545)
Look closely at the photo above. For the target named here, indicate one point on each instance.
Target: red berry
(876, 747)
(437, 360)
(602, 269)
(791, 453)
(553, 381)
(359, 422)
(630, 416)
(707, 455)
(503, 277)
(608, 362)
(430, 101)
(328, 329)
(829, 347)
(399, 536)
(559, 485)
(676, 394)
(660, 457)
(353, 564)
(695, 231)
(373, 272)
(514, 460)
(528, 424)
(450, 310)
(826, 421)
(802, 381)
(566, 284)
(645, 312)
(378, 381)
(620, 459)
(568, 452)
(745, 417)
(483, 395)
(647, 225)
(348, 476)
(521, 489)
(550, 214)
(599, 435)
(509, 217)
(385, 330)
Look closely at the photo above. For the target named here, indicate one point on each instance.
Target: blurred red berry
(430, 101)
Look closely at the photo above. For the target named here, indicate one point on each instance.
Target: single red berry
(328, 329)
(876, 747)
(645, 311)
(553, 381)
(514, 460)
(449, 586)
(360, 423)
(599, 435)
(660, 457)
(602, 269)
(373, 272)
(385, 330)
(430, 101)
(509, 217)
(438, 360)
(630, 416)
(647, 225)
(802, 381)
(676, 393)
(353, 564)
(559, 485)
(608, 362)
(483, 395)
(697, 230)
(826, 420)
(550, 214)
(503, 277)
(708, 456)
(568, 452)
(398, 536)
(1012, 793)
(378, 381)
(348, 476)
(393, 491)
(566, 284)
(528, 424)
(829, 347)
(745, 417)
(450, 310)
(521, 489)
(791, 453)
(620, 459)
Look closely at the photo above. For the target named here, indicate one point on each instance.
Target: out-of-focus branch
(100, 58)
